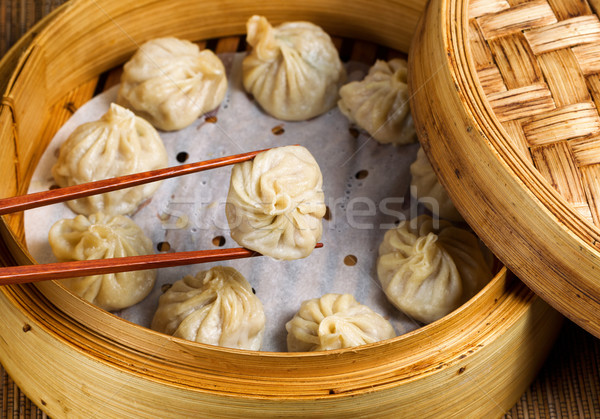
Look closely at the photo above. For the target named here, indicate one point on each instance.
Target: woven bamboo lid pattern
(539, 65)
(505, 99)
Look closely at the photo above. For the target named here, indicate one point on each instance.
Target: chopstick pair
(42, 272)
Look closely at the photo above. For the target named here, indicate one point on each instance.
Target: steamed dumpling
(275, 203)
(103, 236)
(293, 71)
(117, 144)
(216, 307)
(170, 82)
(379, 103)
(428, 270)
(335, 321)
(426, 188)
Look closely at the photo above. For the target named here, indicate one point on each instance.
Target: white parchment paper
(366, 188)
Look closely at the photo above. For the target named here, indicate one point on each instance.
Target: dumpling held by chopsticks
(275, 203)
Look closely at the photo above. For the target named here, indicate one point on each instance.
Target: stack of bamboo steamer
(517, 142)
(73, 359)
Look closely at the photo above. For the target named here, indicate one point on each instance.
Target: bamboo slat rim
(509, 305)
(558, 255)
(504, 301)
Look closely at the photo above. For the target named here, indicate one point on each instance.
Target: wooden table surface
(568, 386)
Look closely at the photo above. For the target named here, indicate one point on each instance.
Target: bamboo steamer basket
(75, 360)
(520, 85)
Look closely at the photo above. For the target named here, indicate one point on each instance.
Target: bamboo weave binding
(538, 62)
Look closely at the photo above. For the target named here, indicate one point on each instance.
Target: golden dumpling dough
(427, 189)
(335, 321)
(379, 103)
(428, 269)
(117, 144)
(103, 236)
(216, 307)
(276, 204)
(170, 82)
(293, 71)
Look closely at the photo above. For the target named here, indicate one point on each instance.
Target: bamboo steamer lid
(517, 139)
(76, 360)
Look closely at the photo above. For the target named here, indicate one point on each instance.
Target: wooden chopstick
(39, 199)
(60, 270)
